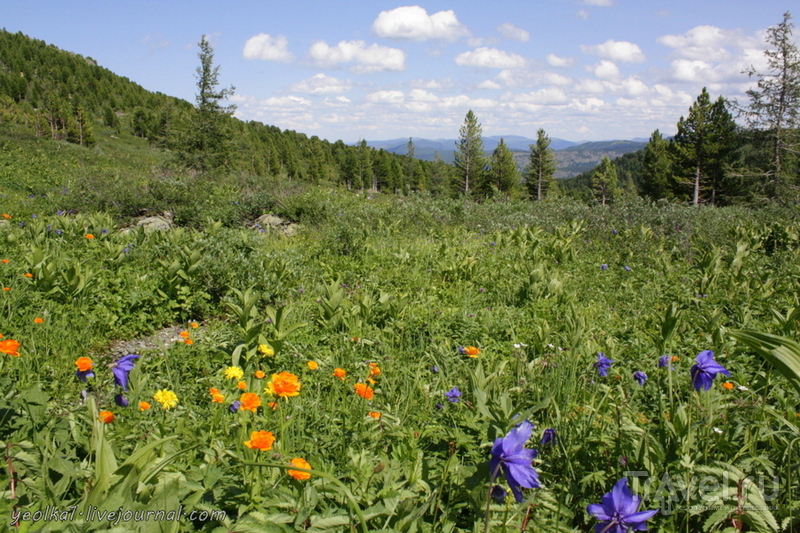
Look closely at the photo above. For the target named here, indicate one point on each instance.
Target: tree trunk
(696, 199)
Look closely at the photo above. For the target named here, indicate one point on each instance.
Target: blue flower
(704, 371)
(498, 494)
(627, 268)
(549, 437)
(122, 369)
(453, 394)
(121, 400)
(641, 377)
(509, 452)
(617, 511)
(603, 266)
(235, 405)
(435, 369)
(603, 363)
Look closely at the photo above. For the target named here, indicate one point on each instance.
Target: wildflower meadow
(403, 364)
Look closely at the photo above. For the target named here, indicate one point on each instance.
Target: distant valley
(573, 158)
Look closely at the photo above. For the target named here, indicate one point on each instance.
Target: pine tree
(775, 106)
(470, 159)
(657, 172)
(704, 144)
(503, 174)
(605, 181)
(541, 167)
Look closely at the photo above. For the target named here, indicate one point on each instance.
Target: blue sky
(375, 69)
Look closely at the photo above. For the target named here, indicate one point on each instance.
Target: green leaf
(781, 352)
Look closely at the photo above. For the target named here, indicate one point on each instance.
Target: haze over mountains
(573, 157)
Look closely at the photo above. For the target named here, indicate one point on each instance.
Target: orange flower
(260, 374)
(374, 369)
(5, 216)
(371, 381)
(340, 373)
(273, 405)
(242, 385)
(297, 474)
(184, 334)
(284, 385)
(675, 358)
(106, 417)
(38, 320)
(5, 261)
(727, 385)
(194, 325)
(250, 401)
(28, 275)
(89, 236)
(471, 351)
(216, 395)
(6, 288)
(10, 347)
(188, 342)
(84, 364)
(260, 440)
(144, 406)
(312, 365)
(364, 390)
(374, 414)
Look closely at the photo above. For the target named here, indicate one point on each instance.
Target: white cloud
(374, 58)
(267, 48)
(621, 51)
(490, 58)
(421, 95)
(489, 84)
(509, 31)
(583, 14)
(432, 84)
(557, 61)
(321, 84)
(705, 43)
(606, 70)
(386, 97)
(691, 70)
(633, 86)
(601, 3)
(413, 23)
(546, 96)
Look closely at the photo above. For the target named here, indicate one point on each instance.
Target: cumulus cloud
(321, 84)
(374, 58)
(412, 23)
(488, 84)
(691, 70)
(546, 96)
(601, 3)
(267, 48)
(621, 51)
(557, 61)
(509, 31)
(386, 97)
(702, 43)
(606, 70)
(421, 95)
(490, 58)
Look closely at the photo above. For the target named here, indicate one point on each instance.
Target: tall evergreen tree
(503, 173)
(775, 105)
(541, 167)
(470, 159)
(657, 172)
(605, 182)
(704, 144)
(207, 145)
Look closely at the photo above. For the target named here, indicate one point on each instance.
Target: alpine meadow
(210, 324)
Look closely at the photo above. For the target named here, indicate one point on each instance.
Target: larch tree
(470, 159)
(541, 166)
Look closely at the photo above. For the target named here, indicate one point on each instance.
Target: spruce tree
(657, 171)
(503, 173)
(541, 167)
(470, 159)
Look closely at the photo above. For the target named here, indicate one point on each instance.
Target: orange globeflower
(5, 261)
(144, 406)
(312, 365)
(374, 370)
(89, 236)
(364, 390)
(83, 364)
(216, 395)
(188, 341)
(6, 288)
(471, 351)
(297, 474)
(284, 385)
(10, 347)
(727, 385)
(259, 374)
(184, 334)
(194, 325)
(106, 417)
(340, 373)
(242, 385)
(28, 275)
(5, 216)
(273, 405)
(675, 358)
(250, 401)
(38, 320)
(260, 440)
(374, 414)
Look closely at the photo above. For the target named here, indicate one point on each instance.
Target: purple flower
(603, 266)
(235, 405)
(641, 377)
(627, 268)
(665, 361)
(549, 437)
(498, 494)
(453, 395)
(121, 400)
(122, 369)
(614, 231)
(617, 511)
(704, 371)
(435, 369)
(83, 374)
(509, 452)
(440, 405)
(603, 363)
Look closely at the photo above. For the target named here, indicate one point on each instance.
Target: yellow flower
(297, 474)
(166, 398)
(312, 365)
(284, 385)
(266, 349)
(234, 372)
(260, 440)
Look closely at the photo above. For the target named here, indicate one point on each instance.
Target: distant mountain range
(573, 157)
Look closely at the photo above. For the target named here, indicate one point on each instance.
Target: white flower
(520, 345)
(717, 430)
(550, 346)
(742, 387)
